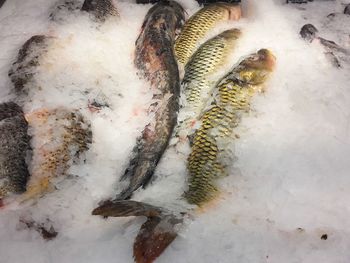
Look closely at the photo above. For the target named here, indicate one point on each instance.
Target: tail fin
(155, 235)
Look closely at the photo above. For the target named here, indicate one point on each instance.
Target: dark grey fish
(155, 61)
(64, 7)
(101, 9)
(310, 33)
(23, 69)
(14, 147)
(347, 9)
(2, 2)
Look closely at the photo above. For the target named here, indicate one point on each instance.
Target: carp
(234, 93)
(199, 25)
(200, 73)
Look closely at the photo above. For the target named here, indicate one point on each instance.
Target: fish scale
(206, 62)
(218, 122)
(199, 25)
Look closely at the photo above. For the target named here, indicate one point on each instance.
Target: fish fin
(155, 235)
(126, 208)
(36, 190)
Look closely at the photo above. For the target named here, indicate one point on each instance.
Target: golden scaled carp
(59, 137)
(200, 24)
(234, 93)
(200, 74)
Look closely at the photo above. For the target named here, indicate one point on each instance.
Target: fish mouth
(268, 58)
(234, 11)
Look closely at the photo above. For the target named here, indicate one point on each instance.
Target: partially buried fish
(14, 148)
(23, 70)
(100, 9)
(59, 137)
(200, 77)
(155, 61)
(200, 24)
(234, 93)
(205, 163)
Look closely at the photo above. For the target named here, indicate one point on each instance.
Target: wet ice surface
(288, 185)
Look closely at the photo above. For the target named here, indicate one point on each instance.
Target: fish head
(234, 11)
(256, 68)
(231, 34)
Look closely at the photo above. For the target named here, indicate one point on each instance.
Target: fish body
(23, 70)
(200, 71)
(155, 61)
(59, 137)
(101, 9)
(63, 8)
(234, 93)
(200, 24)
(14, 146)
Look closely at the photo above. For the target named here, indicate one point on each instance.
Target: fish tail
(155, 235)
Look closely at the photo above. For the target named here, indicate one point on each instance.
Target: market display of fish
(25, 67)
(234, 93)
(59, 137)
(101, 9)
(14, 147)
(206, 161)
(199, 25)
(199, 79)
(155, 61)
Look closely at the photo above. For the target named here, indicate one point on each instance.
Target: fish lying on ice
(63, 8)
(200, 24)
(232, 100)
(199, 80)
(332, 50)
(234, 93)
(101, 9)
(24, 68)
(14, 148)
(155, 61)
(59, 137)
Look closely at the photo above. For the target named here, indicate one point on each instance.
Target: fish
(23, 70)
(2, 2)
(14, 147)
(205, 166)
(331, 49)
(233, 97)
(347, 9)
(59, 137)
(155, 63)
(63, 8)
(100, 9)
(199, 78)
(199, 25)
(155, 234)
